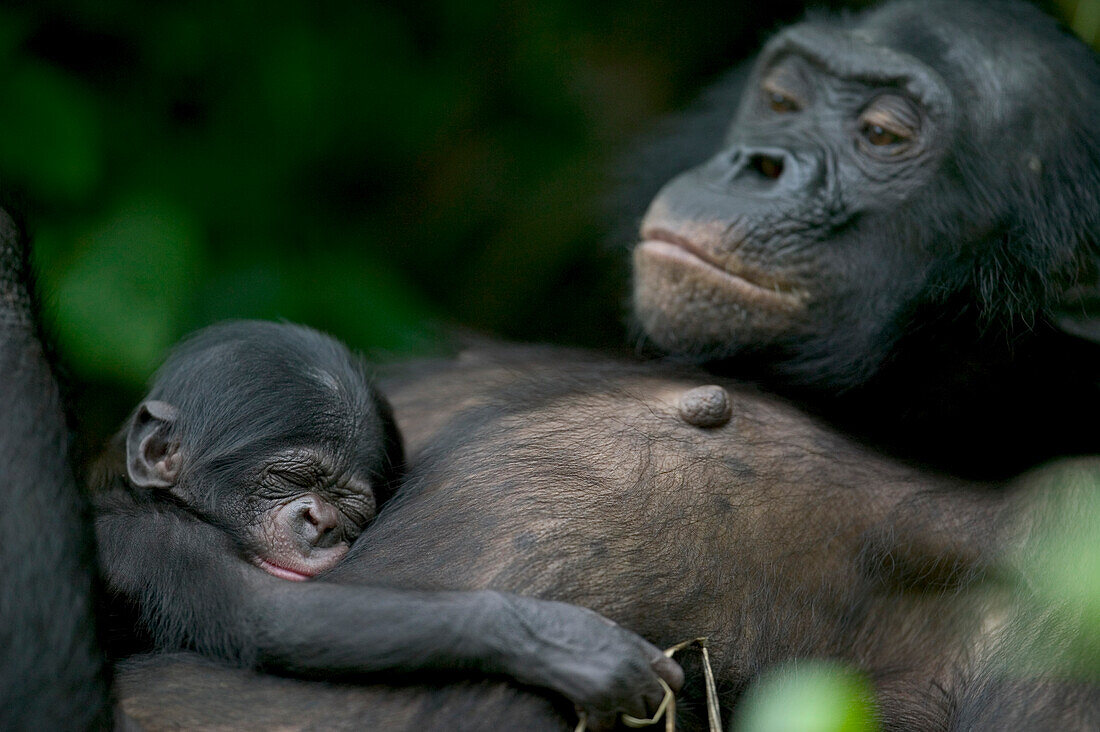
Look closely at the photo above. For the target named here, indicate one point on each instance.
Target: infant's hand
(601, 667)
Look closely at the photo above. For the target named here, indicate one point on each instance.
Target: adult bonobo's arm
(53, 674)
(194, 591)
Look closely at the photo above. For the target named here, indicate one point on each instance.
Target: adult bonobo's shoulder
(901, 227)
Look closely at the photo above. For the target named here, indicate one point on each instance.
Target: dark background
(382, 171)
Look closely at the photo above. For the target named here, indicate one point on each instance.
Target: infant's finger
(668, 670)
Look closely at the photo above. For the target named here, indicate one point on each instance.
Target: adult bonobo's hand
(604, 669)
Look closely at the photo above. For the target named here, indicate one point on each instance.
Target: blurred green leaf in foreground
(808, 696)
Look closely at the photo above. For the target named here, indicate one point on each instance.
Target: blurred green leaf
(1061, 565)
(1084, 17)
(364, 302)
(120, 300)
(52, 138)
(808, 696)
(13, 29)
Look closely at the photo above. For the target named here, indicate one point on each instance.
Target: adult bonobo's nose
(315, 521)
(759, 164)
(752, 170)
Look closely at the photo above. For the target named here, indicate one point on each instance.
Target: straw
(667, 708)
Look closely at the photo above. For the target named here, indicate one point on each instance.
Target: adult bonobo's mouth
(663, 248)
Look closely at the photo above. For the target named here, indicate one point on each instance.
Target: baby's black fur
(246, 424)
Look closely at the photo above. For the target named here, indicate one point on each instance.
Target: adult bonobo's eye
(877, 135)
(781, 89)
(780, 102)
(889, 125)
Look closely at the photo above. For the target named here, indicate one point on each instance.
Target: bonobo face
(300, 510)
(863, 163)
(273, 433)
(768, 243)
(294, 494)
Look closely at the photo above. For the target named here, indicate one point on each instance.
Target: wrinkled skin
(292, 488)
(900, 227)
(777, 237)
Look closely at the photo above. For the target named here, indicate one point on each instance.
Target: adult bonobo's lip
(304, 569)
(748, 284)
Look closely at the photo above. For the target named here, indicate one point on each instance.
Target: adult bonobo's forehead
(911, 159)
(869, 51)
(1011, 74)
(1010, 68)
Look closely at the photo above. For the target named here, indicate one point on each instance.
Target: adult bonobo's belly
(566, 476)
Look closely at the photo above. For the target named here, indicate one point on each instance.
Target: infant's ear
(152, 461)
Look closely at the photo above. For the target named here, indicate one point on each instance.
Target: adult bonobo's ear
(151, 460)
(1078, 310)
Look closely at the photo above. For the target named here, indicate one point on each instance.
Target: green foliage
(808, 696)
(51, 139)
(120, 301)
(1083, 17)
(1060, 566)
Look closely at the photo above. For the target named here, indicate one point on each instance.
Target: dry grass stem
(667, 708)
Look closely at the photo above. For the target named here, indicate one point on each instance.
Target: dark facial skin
(294, 510)
(898, 229)
(734, 252)
(263, 447)
(291, 467)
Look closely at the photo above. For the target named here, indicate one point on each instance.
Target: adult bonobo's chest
(564, 475)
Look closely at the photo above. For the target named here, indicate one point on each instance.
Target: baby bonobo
(257, 458)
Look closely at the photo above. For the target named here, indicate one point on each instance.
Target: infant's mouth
(282, 572)
(303, 569)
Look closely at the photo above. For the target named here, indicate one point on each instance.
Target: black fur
(260, 416)
(53, 674)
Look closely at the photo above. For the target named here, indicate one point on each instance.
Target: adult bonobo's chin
(902, 226)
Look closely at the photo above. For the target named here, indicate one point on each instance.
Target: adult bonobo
(575, 479)
(916, 160)
(902, 229)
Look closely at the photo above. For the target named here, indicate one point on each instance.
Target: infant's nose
(316, 522)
